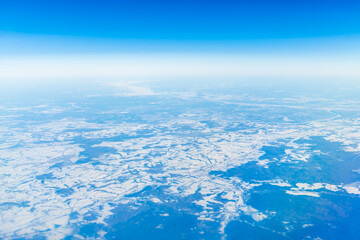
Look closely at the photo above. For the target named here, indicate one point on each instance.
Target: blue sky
(182, 20)
(313, 30)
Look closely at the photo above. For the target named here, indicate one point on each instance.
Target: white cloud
(176, 65)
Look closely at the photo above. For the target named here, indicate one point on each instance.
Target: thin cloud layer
(177, 65)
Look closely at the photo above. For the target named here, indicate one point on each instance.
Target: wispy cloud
(178, 65)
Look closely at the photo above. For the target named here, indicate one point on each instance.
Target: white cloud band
(177, 65)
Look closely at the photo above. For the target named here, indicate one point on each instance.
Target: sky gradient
(311, 33)
(183, 20)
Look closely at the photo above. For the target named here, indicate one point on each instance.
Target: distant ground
(180, 159)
